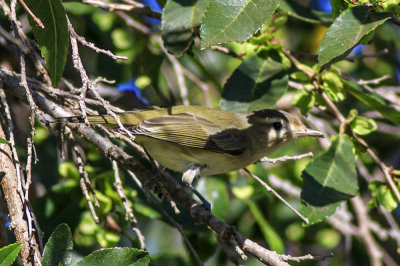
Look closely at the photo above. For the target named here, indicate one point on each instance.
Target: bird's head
(279, 127)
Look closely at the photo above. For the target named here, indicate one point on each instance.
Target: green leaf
(226, 20)
(179, 17)
(304, 100)
(256, 84)
(363, 126)
(347, 31)
(59, 246)
(374, 101)
(9, 253)
(333, 85)
(309, 15)
(382, 195)
(53, 40)
(329, 179)
(3, 141)
(117, 256)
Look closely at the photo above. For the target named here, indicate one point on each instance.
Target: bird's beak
(308, 133)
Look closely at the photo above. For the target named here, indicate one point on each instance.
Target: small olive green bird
(196, 140)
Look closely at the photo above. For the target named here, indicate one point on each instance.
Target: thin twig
(85, 183)
(373, 81)
(352, 58)
(286, 158)
(130, 217)
(133, 6)
(37, 20)
(226, 51)
(92, 46)
(179, 76)
(306, 257)
(269, 189)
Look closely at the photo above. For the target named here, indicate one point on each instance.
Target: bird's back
(221, 118)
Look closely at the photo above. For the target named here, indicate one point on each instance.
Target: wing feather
(192, 131)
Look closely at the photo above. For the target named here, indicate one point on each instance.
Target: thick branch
(8, 183)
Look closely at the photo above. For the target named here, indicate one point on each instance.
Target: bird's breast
(180, 158)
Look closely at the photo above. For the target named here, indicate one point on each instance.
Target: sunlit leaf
(346, 32)
(304, 100)
(9, 253)
(226, 20)
(382, 195)
(363, 126)
(333, 86)
(117, 256)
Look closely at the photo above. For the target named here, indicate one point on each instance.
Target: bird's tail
(94, 119)
(128, 118)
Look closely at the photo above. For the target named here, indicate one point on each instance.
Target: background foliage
(337, 63)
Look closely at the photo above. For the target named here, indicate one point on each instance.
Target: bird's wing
(192, 131)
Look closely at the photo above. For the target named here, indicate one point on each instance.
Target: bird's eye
(277, 126)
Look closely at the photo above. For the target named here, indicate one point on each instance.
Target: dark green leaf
(329, 179)
(53, 39)
(58, 248)
(347, 31)
(338, 6)
(256, 84)
(117, 256)
(9, 253)
(3, 141)
(226, 20)
(374, 101)
(179, 17)
(298, 11)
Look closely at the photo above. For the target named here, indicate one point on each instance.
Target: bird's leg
(188, 177)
